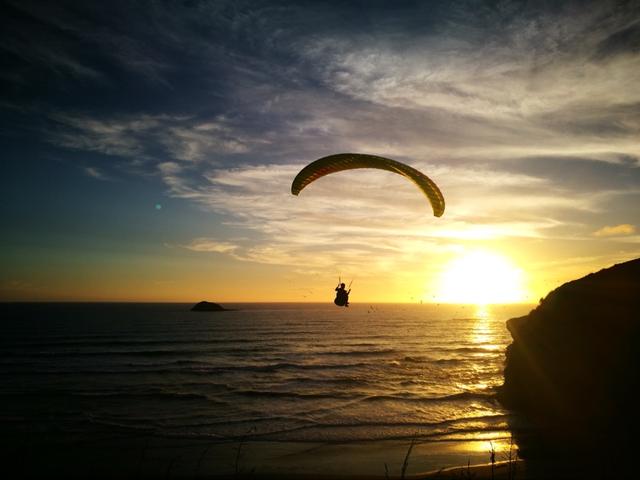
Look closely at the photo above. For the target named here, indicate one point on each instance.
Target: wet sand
(150, 457)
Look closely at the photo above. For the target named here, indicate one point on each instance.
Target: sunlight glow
(500, 442)
(481, 277)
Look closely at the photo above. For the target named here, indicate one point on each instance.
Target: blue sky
(148, 147)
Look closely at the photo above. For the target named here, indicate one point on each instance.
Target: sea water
(263, 375)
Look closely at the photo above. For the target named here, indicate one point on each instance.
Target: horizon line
(247, 302)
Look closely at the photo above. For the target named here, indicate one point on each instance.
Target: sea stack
(573, 369)
(208, 307)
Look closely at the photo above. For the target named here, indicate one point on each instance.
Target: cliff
(574, 365)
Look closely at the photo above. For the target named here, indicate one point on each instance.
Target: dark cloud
(595, 120)
(623, 41)
(99, 57)
(581, 174)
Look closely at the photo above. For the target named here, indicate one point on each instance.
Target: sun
(481, 277)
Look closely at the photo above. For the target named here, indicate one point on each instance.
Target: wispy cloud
(210, 245)
(353, 218)
(203, 141)
(139, 138)
(523, 83)
(124, 138)
(616, 230)
(63, 33)
(96, 173)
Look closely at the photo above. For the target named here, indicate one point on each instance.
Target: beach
(148, 457)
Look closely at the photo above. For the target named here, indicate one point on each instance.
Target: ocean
(156, 388)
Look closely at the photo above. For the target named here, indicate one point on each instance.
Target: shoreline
(501, 470)
(122, 456)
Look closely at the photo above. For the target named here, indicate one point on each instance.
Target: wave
(347, 432)
(419, 398)
(475, 349)
(231, 351)
(290, 394)
(195, 368)
(199, 369)
(360, 397)
(419, 359)
(104, 353)
(448, 426)
(357, 353)
(302, 428)
(151, 394)
(114, 394)
(235, 351)
(295, 366)
(118, 341)
(350, 382)
(438, 361)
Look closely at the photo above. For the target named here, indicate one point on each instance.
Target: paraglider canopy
(349, 161)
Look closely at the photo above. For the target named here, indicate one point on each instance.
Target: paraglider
(342, 294)
(349, 161)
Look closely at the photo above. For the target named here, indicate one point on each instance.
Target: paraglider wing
(348, 161)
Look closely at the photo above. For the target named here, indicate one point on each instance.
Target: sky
(148, 148)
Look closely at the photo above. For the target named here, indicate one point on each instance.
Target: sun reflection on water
(482, 312)
(484, 338)
(483, 332)
(485, 442)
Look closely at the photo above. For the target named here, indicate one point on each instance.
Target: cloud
(58, 38)
(210, 245)
(197, 142)
(147, 138)
(626, 40)
(120, 137)
(96, 173)
(616, 230)
(515, 84)
(291, 83)
(365, 220)
(48, 50)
